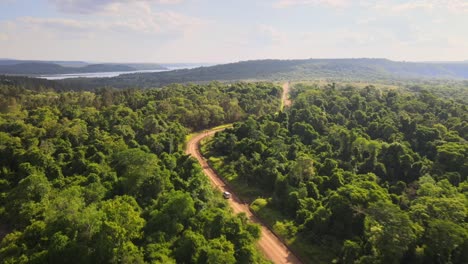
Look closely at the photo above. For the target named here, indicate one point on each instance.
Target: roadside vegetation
(357, 175)
(101, 177)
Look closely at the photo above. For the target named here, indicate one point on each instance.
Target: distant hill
(30, 83)
(331, 69)
(19, 67)
(61, 63)
(146, 66)
(30, 68)
(369, 70)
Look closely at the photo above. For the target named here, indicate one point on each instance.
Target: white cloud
(456, 6)
(417, 5)
(366, 21)
(145, 30)
(3, 37)
(53, 23)
(412, 5)
(137, 17)
(124, 31)
(327, 3)
(453, 6)
(94, 6)
(271, 34)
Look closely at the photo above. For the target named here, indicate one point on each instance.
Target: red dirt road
(284, 96)
(270, 245)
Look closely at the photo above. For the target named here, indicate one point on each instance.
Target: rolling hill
(367, 70)
(18, 67)
(5, 61)
(310, 69)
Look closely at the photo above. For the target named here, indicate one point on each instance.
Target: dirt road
(284, 96)
(270, 245)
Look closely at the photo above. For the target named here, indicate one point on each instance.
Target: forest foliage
(373, 70)
(101, 177)
(362, 175)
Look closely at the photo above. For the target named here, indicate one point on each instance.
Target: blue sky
(226, 31)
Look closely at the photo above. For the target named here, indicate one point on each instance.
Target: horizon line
(236, 61)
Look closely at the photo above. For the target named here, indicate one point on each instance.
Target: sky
(217, 31)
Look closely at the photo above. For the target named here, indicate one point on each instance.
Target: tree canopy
(101, 177)
(366, 175)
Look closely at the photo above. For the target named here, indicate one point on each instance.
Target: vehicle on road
(226, 195)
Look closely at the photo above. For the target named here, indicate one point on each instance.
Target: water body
(110, 74)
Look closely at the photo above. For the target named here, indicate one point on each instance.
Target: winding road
(270, 245)
(284, 96)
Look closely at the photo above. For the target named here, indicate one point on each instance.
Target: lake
(111, 74)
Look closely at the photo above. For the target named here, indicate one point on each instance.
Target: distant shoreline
(109, 74)
(93, 74)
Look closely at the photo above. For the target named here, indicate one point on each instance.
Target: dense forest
(277, 70)
(19, 67)
(101, 177)
(50, 68)
(348, 175)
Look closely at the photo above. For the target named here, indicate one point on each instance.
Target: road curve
(270, 245)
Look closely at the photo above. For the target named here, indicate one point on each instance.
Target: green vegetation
(358, 175)
(451, 78)
(372, 70)
(99, 177)
(46, 67)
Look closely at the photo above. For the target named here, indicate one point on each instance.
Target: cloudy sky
(233, 30)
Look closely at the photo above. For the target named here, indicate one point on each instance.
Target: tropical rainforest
(375, 70)
(347, 174)
(101, 176)
(331, 70)
(356, 175)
